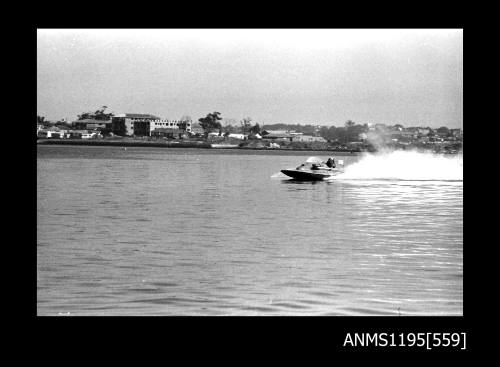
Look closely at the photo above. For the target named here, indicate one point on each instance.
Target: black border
(319, 333)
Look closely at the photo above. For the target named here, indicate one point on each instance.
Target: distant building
(278, 135)
(423, 131)
(456, 132)
(167, 132)
(76, 134)
(404, 135)
(411, 129)
(123, 124)
(172, 124)
(381, 127)
(51, 133)
(237, 136)
(91, 135)
(91, 124)
(279, 132)
(308, 138)
(196, 129)
(147, 127)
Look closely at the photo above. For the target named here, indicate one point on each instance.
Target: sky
(413, 77)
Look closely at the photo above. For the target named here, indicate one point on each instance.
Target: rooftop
(139, 116)
(93, 121)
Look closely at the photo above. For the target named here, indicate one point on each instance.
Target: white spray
(405, 165)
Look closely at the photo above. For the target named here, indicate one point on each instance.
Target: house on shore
(52, 133)
(277, 135)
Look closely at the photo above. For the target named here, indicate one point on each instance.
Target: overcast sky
(306, 76)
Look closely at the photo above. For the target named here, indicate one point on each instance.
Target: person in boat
(331, 163)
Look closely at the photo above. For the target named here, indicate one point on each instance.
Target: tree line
(351, 131)
(212, 123)
(97, 115)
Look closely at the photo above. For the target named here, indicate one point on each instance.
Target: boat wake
(279, 175)
(405, 166)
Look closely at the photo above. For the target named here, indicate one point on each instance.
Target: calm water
(148, 231)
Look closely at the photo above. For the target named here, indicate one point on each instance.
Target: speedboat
(314, 169)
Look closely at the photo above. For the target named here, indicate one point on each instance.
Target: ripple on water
(135, 233)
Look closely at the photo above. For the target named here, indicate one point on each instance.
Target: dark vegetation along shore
(126, 143)
(228, 144)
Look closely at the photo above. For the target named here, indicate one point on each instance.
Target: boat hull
(302, 175)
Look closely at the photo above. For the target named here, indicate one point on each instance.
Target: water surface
(152, 231)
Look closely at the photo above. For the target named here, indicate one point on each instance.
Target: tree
(40, 119)
(84, 116)
(349, 123)
(210, 123)
(60, 123)
(255, 129)
(97, 115)
(443, 130)
(228, 129)
(246, 123)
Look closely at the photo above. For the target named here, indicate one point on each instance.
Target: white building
(308, 138)
(173, 124)
(146, 126)
(124, 124)
(51, 133)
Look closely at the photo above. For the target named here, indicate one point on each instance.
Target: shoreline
(126, 143)
(202, 145)
(184, 144)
